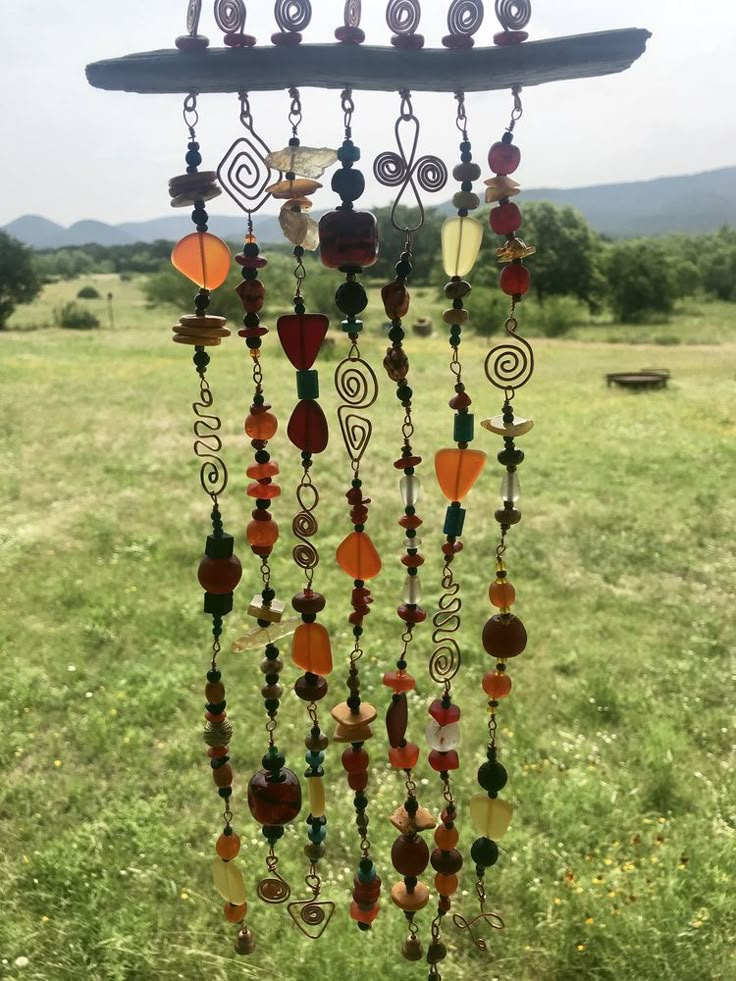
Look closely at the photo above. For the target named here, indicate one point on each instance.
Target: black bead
(348, 183)
(510, 457)
(351, 298)
(273, 761)
(492, 777)
(484, 852)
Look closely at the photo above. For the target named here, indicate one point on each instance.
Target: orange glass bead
(266, 492)
(311, 649)
(496, 684)
(399, 681)
(501, 593)
(257, 471)
(445, 885)
(202, 257)
(261, 425)
(457, 471)
(262, 534)
(235, 914)
(357, 556)
(446, 838)
(404, 757)
(227, 846)
(364, 915)
(223, 775)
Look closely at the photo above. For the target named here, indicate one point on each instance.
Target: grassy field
(619, 737)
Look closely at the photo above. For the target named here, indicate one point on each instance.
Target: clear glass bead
(412, 542)
(412, 590)
(443, 738)
(510, 489)
(410, 487)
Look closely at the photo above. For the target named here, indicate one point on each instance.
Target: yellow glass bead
(228, 881)
(491, 816)
(202, 257)
(500, 187)
(461, 240)
(316, 788)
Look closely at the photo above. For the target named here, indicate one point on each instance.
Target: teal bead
(454, 520)
(351, 326)
(462, 430)
(307, 384)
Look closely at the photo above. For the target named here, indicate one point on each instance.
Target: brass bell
(412, 949)
(245, 942)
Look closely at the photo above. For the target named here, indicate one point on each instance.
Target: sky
(72, 152)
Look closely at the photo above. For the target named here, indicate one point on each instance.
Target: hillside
(691, 203)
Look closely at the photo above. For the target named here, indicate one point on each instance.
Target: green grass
(618, 737)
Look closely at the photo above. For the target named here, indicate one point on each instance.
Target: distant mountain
(692, 203)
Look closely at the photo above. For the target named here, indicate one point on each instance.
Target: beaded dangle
(410, 854)
(274, 793)
(457, 469)
(205, 260)
(301, 335)
(508, 366)
(349, 242)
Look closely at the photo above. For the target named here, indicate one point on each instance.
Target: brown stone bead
(272, 667)
(448, 863)
(314, 852)
(410, 854)
(466, 171)
(348, 238)
(395, 298)
(397, 719)
(396, 364)
(219, 576)
(214, 692)
(507, 516)
(317, 743)
(308, 602)
(272, 691)
(457, 289)
(310, 691)
(223, 775)
(274, 801)
(436, 952)
(504, 635)
(357, 781)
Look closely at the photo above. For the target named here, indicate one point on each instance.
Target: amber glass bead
(202, 257)
(274, 801)
(311, 649)
(261, 425)
(214, 692)
(501, 593)
(223, 775)
(252, 293)
(504, 635)
(395, 298)
(446, 885)
(348, 238)
(514, 279)
(355, 760)
(219, 576)
(262, 534)
(446, 838)
(506, 218)
(404, 757)
(399, 681)
(307, 428)
(410, 855)
(364, 915)
(357, 556)
(259, 471)
(227, 846)
(266, 492)
(235, 914)
(503, 158)
(457, 471)
(496, 684)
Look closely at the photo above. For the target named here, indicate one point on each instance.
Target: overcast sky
(72, 152)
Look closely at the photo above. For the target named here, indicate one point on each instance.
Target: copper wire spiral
(304, 526)
(510, 366)
(513, 15)
(293, 15)
(352, 13)
(244, 172)
(230, 16)
(207, 444)
(445, 661)
(193, 13)
(402, 16)
(465, 16)
(356, 384)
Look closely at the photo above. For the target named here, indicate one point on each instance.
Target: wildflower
(589, 921)
(608, 860)
(57, 763)
(557, 901)
(184, 894)
(580, 947)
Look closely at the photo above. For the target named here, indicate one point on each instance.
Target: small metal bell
(245, 942)
(412, 948)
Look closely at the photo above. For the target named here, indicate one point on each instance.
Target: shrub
(558, 314)
(74, 317)
(88, 293)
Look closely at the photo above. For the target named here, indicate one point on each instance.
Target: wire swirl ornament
(312, 917)
(402, 16)
(304, 527)
(510, 366)
(352, 13)
(492, 919)
(446, 659)
(292, 16)
(244, 172)
(273, 890)
(356, 384)
(194, 11)
(230, 16)
(393, 169)
(465, 17)
(513, 15)
(208, 445)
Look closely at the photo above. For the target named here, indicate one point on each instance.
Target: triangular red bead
(301, 335)
(307, 428)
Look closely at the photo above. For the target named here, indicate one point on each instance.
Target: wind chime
(347, 241)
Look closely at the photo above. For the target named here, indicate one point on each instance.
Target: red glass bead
(399, 681)
(261, 425)
(217, 752)
(219, 576)
(514, 279)
(308, 601)
(411, 614)
(257, 471)
(357, 781)
(301, 336)
(252, 293)
(404, 757)
(235, 913)
(444, 716)
(410, 855)
(504, 635)
(215, 717)
(307, 428)
(504, 158)
(452, 548)
(348, 238)
(251, 261)
(460, 401)
(411, 521)
(274, 801)
(355, 760)
(262, 534)
(412, 561)
(496, 685)
(447, 861)
(366, 892)
(505, 219)
(407, 461)
(364, 915)
(357, 556)
(397, 719)
(444, 761)
(263, 491)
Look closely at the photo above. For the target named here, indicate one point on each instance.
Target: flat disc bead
(504, 635)
(399, 681)
(259, 471)
(410, 901)
(266, 492)
(364, 915)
